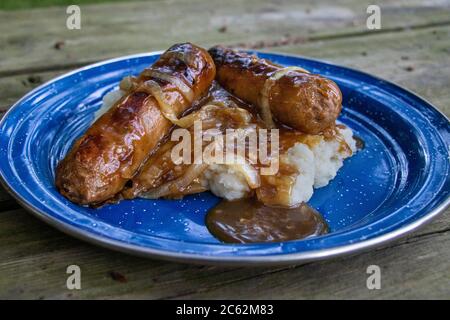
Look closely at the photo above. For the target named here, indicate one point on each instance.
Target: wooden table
(412, 49)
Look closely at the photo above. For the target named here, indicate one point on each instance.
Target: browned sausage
(114, 147)
(306, 102)
(159, 168)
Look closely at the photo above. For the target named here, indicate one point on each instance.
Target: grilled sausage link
(114, 147)
(303, 101)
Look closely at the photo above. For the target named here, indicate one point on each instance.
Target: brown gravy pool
(249, 221)
(360, 144)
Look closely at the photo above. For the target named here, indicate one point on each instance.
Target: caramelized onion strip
(184, 89)
(153, 88)
(207, 112)
(250, 173)
(128, 83)
(176, 186)
(187, 58)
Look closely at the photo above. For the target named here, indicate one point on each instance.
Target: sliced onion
(218, 105)
(178, 185)
(244, 114)
(128, 83)
(187, 58)
(184, 89)
(194, 187)
(280, 73)
(204, 114)
(266, 114)
(188, 121)
(248, 171)
(109, 100)
(153, 88)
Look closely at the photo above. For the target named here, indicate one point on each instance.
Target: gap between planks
(205, 289)
(289, 40)
(354, 34)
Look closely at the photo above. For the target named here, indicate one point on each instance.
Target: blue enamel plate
(393, 186)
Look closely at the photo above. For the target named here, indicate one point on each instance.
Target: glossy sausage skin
(159, 168)
(306, 102)
(114, 147)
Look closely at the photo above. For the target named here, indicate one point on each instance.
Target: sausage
(159, 167)
(112, 150)
(307, 102)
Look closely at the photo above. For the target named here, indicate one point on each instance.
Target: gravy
(360, 144)
(249, 221)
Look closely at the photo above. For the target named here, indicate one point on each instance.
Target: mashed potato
(316, 167)
(329, 158)
(226, 182)
(108, 100)
(303, 158)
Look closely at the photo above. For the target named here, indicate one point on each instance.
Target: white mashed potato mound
(328, 159)
(303, 158)
(316, 166)
(347, 134)
(226, 182)
(108, 100)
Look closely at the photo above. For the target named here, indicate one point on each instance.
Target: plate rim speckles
(206, 257)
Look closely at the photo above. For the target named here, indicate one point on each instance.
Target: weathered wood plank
(144, 26)
(419, 269)
(34, 267)
(12, 88)
(418, 60)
